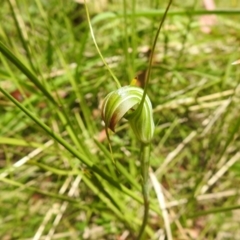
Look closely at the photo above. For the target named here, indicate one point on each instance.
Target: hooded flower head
(124, 102)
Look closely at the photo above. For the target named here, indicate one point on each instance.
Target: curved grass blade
(11, 57)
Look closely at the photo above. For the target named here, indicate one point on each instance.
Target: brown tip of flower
(113, 122)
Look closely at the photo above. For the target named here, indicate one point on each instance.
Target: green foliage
(57, 177)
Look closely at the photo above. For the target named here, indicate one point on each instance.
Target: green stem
(144, 158)
(148, 73)
(96, 45)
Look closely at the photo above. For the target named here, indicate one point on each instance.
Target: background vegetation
(56, 173)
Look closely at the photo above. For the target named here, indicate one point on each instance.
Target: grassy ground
(57, 176)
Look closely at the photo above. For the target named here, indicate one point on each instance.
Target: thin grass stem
(148, 73)
(96, 45)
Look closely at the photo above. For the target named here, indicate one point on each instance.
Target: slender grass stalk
(96, 45)
(148, 74)
(24, 69)
(19, 23)
(151, 13)
(133, 39)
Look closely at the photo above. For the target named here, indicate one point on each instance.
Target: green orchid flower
(125, 102)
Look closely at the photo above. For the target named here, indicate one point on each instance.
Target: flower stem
(148, 73)
(144, 158)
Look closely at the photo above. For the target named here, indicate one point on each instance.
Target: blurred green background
(57, 176)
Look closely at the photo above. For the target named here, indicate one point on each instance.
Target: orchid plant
(132, 103)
